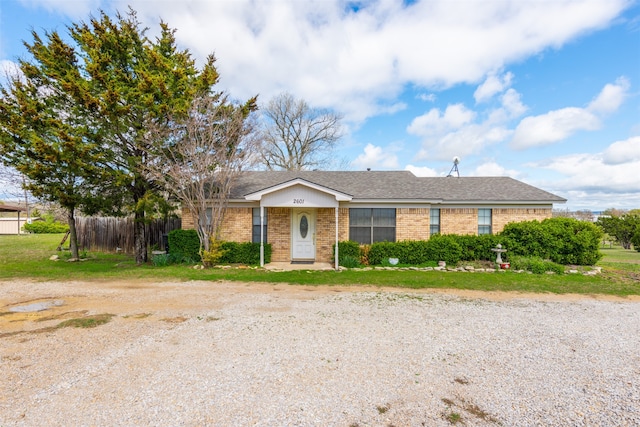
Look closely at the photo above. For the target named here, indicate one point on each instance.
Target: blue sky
(546, 92)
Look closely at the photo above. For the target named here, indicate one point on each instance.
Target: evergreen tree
(116, 84)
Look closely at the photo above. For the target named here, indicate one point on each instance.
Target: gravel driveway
(224, 354)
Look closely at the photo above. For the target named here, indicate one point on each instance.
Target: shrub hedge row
(185, 245)
(560, 240)
(46, 227)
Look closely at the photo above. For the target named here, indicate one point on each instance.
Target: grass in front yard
(28, 257)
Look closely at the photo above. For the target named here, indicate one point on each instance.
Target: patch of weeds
(349, 261)
(454, 417)
(137, 316)
(476, 411)
(383, 409)
(86, 322)
(5, 313)
(160, 260)
(471, 408)
(178, 319)
(213, 319)
(61, 316)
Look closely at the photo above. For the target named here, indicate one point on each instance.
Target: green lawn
(28, 257)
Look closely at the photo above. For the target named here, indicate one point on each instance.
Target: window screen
(434, 221)
(255, 232)
(370, 225)
(484, 221)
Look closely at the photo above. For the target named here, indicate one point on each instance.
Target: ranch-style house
(302, 214)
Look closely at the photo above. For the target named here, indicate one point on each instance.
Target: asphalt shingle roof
(402, 185)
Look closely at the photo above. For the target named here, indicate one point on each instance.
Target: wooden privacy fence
(111, 234)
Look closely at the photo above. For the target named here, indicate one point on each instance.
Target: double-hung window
(370, 225)
(255, 231)
(434, 221)
(484, 221)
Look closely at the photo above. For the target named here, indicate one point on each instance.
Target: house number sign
(298, 201)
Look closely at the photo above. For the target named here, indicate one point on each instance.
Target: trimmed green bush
(184, 246)
(46, 227)
(243, 253)
(561, 240)
(444, 247)
(346, 249)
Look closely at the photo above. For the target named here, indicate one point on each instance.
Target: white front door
(303, 235)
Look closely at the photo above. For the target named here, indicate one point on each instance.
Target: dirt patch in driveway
(144, 299)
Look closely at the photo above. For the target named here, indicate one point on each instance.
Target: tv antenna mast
(454, 168)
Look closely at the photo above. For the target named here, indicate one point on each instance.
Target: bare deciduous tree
(204, 154)
(296, 136)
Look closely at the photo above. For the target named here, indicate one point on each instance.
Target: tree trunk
(139, 238)
(73, 236)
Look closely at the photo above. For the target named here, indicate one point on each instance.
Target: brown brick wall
(279, 233)
(343, 226)
(458, 221)
(501, 217)
(412, 224)
(237, 225)
(187, 219)
(325, 233)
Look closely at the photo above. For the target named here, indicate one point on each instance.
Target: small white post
(261, 235)
(336, 254)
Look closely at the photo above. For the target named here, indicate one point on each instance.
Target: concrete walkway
(287, 266)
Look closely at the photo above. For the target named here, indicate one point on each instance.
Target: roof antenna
(454, 168)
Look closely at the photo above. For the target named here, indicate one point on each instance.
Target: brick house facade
(301, 209)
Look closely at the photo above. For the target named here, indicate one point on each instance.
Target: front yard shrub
(184, 245)
(215, 253)
(346, 249)
(380, 251)
(243, 253)
(562, 240)
(444, 247)
(478, 248)
(46, 227)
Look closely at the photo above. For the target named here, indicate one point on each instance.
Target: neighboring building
(302, 214)
(12, 225)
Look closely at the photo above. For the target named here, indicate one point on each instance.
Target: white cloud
(554, 126)
(427, 97)
(457, 132)
(621, 152)
(421, 170)
(358, 62)
(492, 168)
(611, 97)
(512, 103)
(9, 70)
(376, 158)
(589, 172)
(492, 85)
(434, 121)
